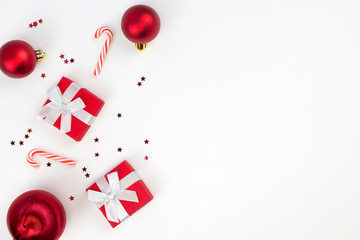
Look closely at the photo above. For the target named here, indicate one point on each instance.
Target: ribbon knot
(111, 194)
(65, 107)
(61, 105)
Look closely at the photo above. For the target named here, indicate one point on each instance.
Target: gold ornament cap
(40, 55)
(140, 46)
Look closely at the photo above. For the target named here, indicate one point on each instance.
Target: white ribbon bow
(61, 105)
(111, 194)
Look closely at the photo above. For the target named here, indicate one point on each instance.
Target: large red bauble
(17, 59)
(36, 215)
(140, 24)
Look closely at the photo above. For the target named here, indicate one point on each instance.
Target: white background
(251, 109)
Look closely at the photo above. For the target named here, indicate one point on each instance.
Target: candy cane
(32, 153)
(104, 51)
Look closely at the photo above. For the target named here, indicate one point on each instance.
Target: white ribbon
(111, 194)
(61, 105)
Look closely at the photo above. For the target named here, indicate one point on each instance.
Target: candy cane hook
(33, 163)
(104, 51)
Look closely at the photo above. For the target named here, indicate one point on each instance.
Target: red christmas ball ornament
(140, 24)
(18, 59)
(36, 215)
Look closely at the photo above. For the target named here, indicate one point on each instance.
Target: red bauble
(36, 215)
(140, 24)
(18, 59)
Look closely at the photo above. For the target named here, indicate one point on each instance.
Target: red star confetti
(21, 143)
(62, 56)
(66, 61)
(97, 154)
(96, 140)
(72, 60)
(40, 21)
(87, 175)
(12, 143)
(142, 78)
(146, 141)
(31, 25)
(27, 136)
(146, 158)
(139, 84)
(29, 130)
(48, 164)
(43, 75)
(35, 24)
(84, 169)
(119, 115)
(72, 198)
(119, 149)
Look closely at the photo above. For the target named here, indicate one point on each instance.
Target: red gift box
(117, 202)
(71, 108)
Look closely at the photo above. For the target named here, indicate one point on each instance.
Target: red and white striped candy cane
(32, 153)
(104, 51)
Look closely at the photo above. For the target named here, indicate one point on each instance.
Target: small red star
(66, 61)
(139, 84)
(12, 143)
(31, 25)
(146, 158)
(119, 149)
(48, 164)
(97, 154)
(62, 56)
(43, 75)
(84, 169)
(40, 21)
(26, 136)
(119, 115)
(21, 143)
(35, 24)
(29, 130)
(143, 78)
(146, 141)
(72, 60)
(71, 198)
(96, 140)
(87, 175)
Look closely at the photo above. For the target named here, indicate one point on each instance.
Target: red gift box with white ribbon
(119, 194)
(71, 108)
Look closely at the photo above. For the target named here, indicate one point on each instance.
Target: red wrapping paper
(93, 105)
(143, 193)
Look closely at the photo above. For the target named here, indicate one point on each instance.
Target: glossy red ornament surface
(17, 59)
(36, 215)
(140, 24)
